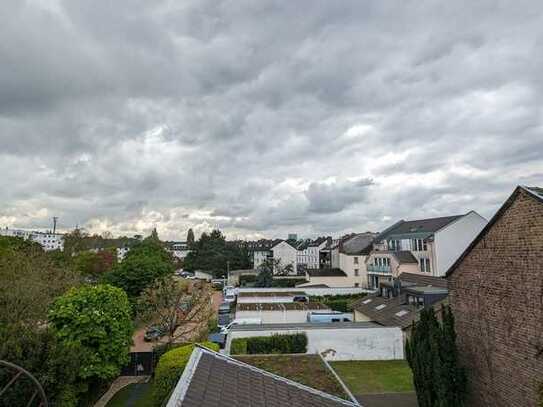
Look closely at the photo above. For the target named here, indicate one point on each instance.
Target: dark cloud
(257, 116)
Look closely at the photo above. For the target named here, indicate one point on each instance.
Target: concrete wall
(275, 317)
(308, 291)
(377, 343)
(265, 299)
(451, 241)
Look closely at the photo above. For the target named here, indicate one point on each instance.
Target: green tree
(181, 308)
(95, 265)
(264, 277)
(29, 282)
(190, 238)
(432, 355)
(54, 364)
(98, 319)
(143, 264)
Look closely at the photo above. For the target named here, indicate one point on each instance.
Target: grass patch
(136, 395)
(304, 369)
(380, 376)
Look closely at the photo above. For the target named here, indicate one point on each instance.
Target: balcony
(373, 268)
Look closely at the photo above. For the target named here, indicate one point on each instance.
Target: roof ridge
(274, 376)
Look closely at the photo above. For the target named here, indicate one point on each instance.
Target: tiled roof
(213, 380)
(326, 272)
(430, 225)
(422, 280)
(358, 244)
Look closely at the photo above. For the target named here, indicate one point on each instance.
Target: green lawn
(134, 395)
(381, 376)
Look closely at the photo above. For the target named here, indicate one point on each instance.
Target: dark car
(154, 333)
(225, 308)
(300, 298)
(223, 320)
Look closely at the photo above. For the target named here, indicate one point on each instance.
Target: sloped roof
(211, 379)
(534, 192)
(419, 226)
(422, 280)
(405, 257)
(358, 244)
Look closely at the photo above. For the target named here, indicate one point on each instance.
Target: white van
(245, 321)
(328, 316)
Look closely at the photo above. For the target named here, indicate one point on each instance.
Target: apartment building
(47, 240)
(423, 246)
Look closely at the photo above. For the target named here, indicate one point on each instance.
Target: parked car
(225, 308)
(231, 297)
(245, 321)
(154, 333)
(228, 289)
(218, 338)
(328, 316)
(223, 320)
(300, 298)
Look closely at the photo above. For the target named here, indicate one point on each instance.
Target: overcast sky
(265, 117)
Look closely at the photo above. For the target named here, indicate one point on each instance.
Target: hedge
(247, 280)
(287, 282)
(170, 368)
(295, 343)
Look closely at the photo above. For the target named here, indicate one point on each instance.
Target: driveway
(388, 399)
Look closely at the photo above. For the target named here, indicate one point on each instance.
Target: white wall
(265, 299)
(286, 254)
(275, 317)
(451, 241)
(375, 343)
(347, 264)
(308, 291)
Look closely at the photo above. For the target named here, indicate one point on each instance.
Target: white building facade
(47, 240)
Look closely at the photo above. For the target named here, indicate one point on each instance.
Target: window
(356, 273)
(402, 313)
(356, 284)
(419, 245)
(355, 260)
(380, 307)
(394, 245)
(366, 301)
(425, 265)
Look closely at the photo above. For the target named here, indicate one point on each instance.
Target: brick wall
(496, 294)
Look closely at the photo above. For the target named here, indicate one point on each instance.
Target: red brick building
(496, 294)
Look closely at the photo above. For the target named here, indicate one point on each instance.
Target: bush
(295, 343)
(238, 346)
(340, 305)
(170, 368)
(287, 282)
(247, 280)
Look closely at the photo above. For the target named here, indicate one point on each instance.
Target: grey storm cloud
(265, 117)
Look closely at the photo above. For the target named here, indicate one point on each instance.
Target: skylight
(366, 301)
(380, 307)
(402, 313)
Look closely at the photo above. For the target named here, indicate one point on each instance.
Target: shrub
(247, 280)
(295, 343)
(238, 346)
(287, 282)
(170, 368)
(340, 305)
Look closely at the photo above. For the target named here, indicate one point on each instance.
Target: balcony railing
(373, 268)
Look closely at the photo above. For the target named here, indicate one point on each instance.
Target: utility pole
(55, 219)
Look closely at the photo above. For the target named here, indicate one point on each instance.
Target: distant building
(179, 250)
(496, 295)
(426, 246)
(286, 257)
(122, 252)
(47, 240)
(292, 236)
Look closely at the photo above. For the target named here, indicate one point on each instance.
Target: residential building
(348, 269)
(179, 250)
(285, 255)
(47, 240)
(212, 379)
(398, 303)
(308, 252)
(496, 294)
(425, 246)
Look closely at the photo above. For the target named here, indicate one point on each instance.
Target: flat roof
(280, 306)
(425, 290)
(270, 294)
(305, 325)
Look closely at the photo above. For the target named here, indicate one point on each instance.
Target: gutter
(344, 387)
